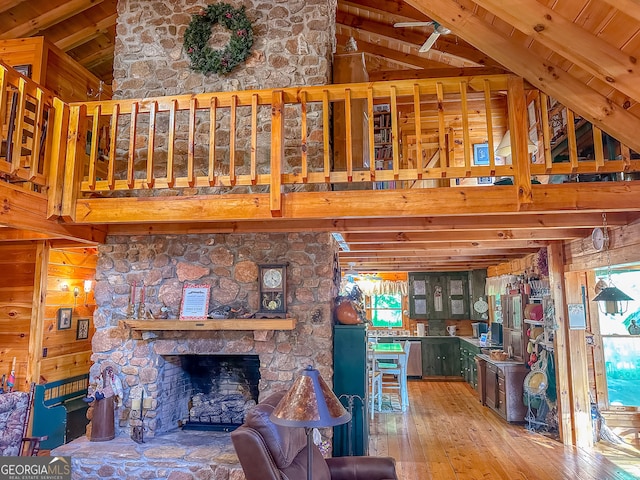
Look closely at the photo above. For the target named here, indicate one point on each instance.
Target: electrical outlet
(44, 352)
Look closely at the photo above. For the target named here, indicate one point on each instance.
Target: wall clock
(272, 286)
(598, 238)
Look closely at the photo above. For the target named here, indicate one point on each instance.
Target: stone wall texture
(293, 44)
(294, 41)
(229, 264)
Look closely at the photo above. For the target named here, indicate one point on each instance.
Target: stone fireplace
(212, 392)
(153, 360)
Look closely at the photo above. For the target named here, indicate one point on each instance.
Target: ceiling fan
(437, 31)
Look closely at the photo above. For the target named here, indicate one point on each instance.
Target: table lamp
(309, 403)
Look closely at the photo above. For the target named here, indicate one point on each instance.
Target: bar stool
(397, 369)
(375, 385)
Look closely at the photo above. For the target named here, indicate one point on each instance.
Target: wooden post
(576, 293)
(77, 137)
(36, 326)
(519, 139)
(57, 157)
(277, 152)
(560, 344)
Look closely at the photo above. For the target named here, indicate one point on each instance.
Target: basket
(498, 355)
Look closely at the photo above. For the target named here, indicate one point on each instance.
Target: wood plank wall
(67, 356)
(17, 261)
(28, 316)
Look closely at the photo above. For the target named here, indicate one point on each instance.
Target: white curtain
(498, 285)
(383, 287)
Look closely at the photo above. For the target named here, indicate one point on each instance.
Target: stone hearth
(176, 456)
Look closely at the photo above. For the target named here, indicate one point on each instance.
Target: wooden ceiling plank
(585, 101)
(382, 76)
(576, 44)
(628, 7)
(86, 34)
(51, 17)
(7, 5)
(393, 7)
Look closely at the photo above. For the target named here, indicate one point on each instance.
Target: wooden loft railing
(285, 139)
(28, 113)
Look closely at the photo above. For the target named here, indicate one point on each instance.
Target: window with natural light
(386, 310)
(621, 343)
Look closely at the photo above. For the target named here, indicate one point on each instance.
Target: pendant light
(611, 300)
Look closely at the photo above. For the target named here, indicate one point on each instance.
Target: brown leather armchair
(272, 452)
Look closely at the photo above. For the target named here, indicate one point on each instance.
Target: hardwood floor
(447, 434)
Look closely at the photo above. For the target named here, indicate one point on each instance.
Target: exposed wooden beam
(13, 235)
(402, 224)
(86, 34)
(504, 235)
(542, 73)
(407, 59)
(577, 45)
(51, 17)
(413, 39)
(25, 210)
(381, 76)
(562, 198)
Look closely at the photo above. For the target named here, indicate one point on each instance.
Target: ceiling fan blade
(426, 46)
(412, 24)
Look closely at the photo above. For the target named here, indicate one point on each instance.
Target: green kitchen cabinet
(350, 384)
(440, 357)
(468, 365)
(439, 296)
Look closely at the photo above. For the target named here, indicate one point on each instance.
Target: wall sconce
(64, 287)
(76, 292)
(87, 289)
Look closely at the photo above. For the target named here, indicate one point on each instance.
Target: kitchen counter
(498, 362)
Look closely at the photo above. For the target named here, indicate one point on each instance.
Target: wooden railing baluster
(277, 152)
(546, 137)
(395, 133)
(348, 134)
(232, 139)
(573, 144)
(371, 145)
(171, 144)
(598, 147)
(37, 136)
(191, 180)
(303, 137)
(444, 157)
(132, 145)
(19, 122)
(420, 147)
(489, 123)
(113, 137)
(93, 155)
(325, 135)
(254, 138)
(151, 143)
(466, 141)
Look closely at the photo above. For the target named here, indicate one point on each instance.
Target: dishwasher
(414, 362)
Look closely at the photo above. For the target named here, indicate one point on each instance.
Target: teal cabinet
(350, 384)
(440, 357)
(468, 365)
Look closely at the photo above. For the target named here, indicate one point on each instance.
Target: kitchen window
(386, 310)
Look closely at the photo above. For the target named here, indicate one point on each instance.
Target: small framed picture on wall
(83, 329)
(64, 318)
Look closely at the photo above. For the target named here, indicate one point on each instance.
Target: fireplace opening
(210, 392)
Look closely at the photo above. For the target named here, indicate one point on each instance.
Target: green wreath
(204, 58)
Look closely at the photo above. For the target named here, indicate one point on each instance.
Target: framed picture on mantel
(195, 302)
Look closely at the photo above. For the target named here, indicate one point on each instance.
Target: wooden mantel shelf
(226, 324)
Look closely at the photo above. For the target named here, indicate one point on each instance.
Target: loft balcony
(379, 149)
